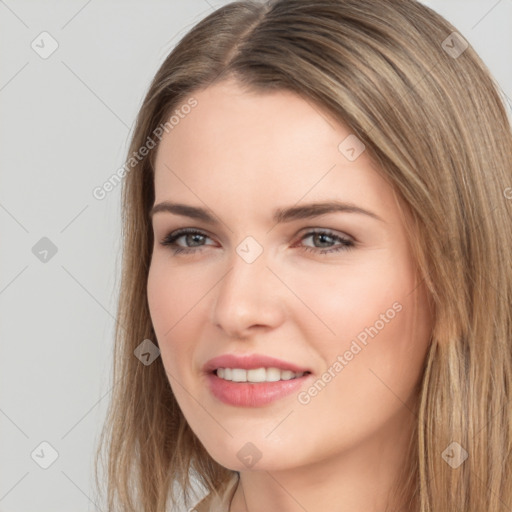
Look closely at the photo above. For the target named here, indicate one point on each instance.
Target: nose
(249, 298)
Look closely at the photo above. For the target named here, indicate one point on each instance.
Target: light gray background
(65, 126)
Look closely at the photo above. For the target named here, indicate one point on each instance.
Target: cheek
(171, 297)
(379, 374)
(173, 294)
(376, 318)
(348, 298)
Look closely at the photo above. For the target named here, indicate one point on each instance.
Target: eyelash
(170, 240)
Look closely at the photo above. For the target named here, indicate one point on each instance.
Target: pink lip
(249, 362)
(252, 394)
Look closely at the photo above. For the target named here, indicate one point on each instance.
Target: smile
(244, 393)
(257, 374)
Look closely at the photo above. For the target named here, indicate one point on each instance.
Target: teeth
(238, 375)
(257, 374)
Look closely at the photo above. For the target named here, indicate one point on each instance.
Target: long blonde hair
(431, 115)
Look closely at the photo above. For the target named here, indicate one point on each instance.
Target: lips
(250, 394)
(249, 362)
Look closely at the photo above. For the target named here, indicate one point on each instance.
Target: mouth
(257, 375)
(255, 387)
(254, 380)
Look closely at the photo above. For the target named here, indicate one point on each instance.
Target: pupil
(194, 236)
(323, 235)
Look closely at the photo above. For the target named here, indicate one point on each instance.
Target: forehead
(251, 149)
(229, 120)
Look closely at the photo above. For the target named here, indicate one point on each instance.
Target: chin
(245, 455)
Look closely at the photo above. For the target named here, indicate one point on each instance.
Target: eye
(327, 237)
(189, 234)
(197, 238)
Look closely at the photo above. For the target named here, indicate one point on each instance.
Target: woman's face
(275, 272)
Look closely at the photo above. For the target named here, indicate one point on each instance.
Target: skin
(242, 155)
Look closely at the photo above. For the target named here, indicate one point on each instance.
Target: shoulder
(218, 502)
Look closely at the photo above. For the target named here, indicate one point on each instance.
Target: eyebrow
(280, 215)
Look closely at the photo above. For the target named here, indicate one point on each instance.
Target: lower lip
(253, 394)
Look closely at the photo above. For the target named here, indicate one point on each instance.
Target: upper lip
(248, 362)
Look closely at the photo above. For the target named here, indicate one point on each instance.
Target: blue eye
(345, 243)
(196, 238)
(188, 234)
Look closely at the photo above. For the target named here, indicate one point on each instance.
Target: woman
(315, 311)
